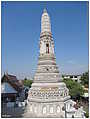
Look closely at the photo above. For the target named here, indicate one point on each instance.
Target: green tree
(62, 76)
(85, 79)
(28, 82)
(75, 89)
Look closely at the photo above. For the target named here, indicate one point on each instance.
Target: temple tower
(48, 95)
(47, 70)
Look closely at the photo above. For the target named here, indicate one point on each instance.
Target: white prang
(48, 95)
(45, 22)
(46, 30)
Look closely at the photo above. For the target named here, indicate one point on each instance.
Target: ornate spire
(45, 22)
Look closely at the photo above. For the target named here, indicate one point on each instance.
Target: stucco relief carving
(47, 93)
(58, 109)
(44, 110)
(51, 109)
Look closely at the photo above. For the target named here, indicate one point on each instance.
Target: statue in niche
(47, 48)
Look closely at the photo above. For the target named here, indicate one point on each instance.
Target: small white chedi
(48, 95)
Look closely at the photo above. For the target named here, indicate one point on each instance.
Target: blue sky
(21, 32)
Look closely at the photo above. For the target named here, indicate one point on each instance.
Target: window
(71, 76)
(75, 76)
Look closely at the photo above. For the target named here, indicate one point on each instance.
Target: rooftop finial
(44, 10)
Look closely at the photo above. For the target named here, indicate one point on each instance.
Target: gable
(12, 80)
(7, 88)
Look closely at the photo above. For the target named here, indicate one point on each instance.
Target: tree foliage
(28, 82)
(85, 79)
(75, 89)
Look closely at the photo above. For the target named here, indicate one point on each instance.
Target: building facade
(11, 88)
(73, 77)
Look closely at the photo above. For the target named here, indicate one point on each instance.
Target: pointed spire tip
(44, 10)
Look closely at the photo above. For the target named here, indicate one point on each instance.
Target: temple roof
(12, 80)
